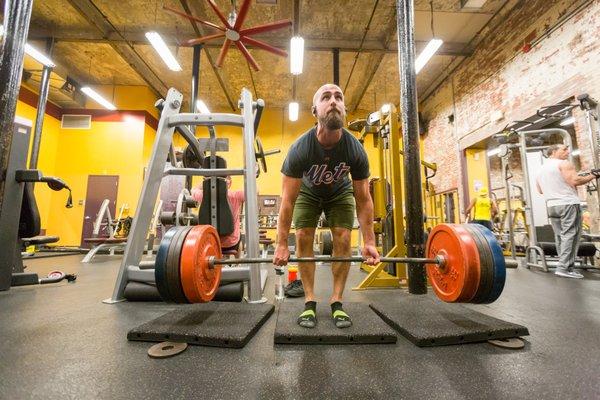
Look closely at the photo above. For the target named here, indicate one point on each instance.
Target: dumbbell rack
(132, 268)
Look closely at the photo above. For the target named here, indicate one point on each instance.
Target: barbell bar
(438, 260)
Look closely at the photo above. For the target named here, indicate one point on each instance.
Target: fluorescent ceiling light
(201, 106)
(163, 51)
(567, 121)
(472, 3)
(427, 53)
(296, 55)
(97, 98)
(33, 52)
(293, 111)
(493, 152)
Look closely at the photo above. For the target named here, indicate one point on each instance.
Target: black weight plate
(326, 245)
(499, 264)
(260, 155)
(160, 264)
(486, 268)
(173, 275)
(189, 159)
(173, 266)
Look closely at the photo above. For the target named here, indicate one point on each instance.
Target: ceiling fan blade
(191, 17)
(219, 14)
(271, 26)
(223, 52)
(241, 17)
(264, 46)
(248, 56)
(202, 39)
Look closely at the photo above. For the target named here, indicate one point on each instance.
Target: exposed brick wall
(501, 76)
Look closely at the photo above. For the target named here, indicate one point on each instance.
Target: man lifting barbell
(315, 180)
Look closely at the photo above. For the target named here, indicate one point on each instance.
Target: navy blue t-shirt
(324, 172)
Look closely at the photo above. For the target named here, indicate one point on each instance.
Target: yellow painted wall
(477, 171)
(46, 159)
(108, 148)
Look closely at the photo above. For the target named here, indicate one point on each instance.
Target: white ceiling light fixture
(429, 50)
(91, 93)
(35, 53)
(163, 51)
(201, 107)
(296, 55)
(293, 109)
(493, 152)
(472, 4)
(567, 121)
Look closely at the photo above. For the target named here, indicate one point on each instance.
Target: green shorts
(339, 210)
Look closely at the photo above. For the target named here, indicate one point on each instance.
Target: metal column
(154, 174)
(410, 131)
(336, 66)
(39, 118)
(17, 14)
(505, 178)
(252, 243)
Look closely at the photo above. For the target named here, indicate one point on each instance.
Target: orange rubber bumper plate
(457, 280)
(200, 283)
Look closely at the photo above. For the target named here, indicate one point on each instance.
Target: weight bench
(586, 251)
(103, 243)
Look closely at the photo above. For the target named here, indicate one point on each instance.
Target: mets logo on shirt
(319, 174)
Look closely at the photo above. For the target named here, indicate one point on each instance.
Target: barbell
(464, 263)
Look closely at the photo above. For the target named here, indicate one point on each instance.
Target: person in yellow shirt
(484, 209)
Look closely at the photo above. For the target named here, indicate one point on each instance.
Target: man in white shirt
(557, 182)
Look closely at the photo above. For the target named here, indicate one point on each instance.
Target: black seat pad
(586, 249)
(39, 240)
(224, 216)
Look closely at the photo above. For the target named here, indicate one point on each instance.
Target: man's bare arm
(364, 210)
(289, 193)
(569, 174)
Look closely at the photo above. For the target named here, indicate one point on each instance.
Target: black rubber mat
(431, 322)
(208, 324)
(367, 327)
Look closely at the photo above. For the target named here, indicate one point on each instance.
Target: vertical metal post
(143, 214)
(509, 215)
(336, 66)
(39, 118)
(17, 14)
(252, 243)
(195, 76)
(527, 191)
(410, 134)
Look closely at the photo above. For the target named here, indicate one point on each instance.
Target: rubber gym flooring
(60, 341)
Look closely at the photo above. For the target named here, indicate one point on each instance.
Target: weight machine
(132, 268)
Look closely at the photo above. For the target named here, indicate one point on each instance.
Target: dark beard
(333, 121)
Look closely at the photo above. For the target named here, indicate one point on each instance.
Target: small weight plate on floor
(510, 343)
(160, 264)
(459, 277)
(499, 265)
(326, 243)
(166, 349)
(486, 267)
(173, 269)
(200, 283)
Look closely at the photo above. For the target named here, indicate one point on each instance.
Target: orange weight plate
(458, 280)
(199, 282)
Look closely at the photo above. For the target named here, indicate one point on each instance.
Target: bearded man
(315, 180)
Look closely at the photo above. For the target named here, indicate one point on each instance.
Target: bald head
(326, 87)
(329, 107)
